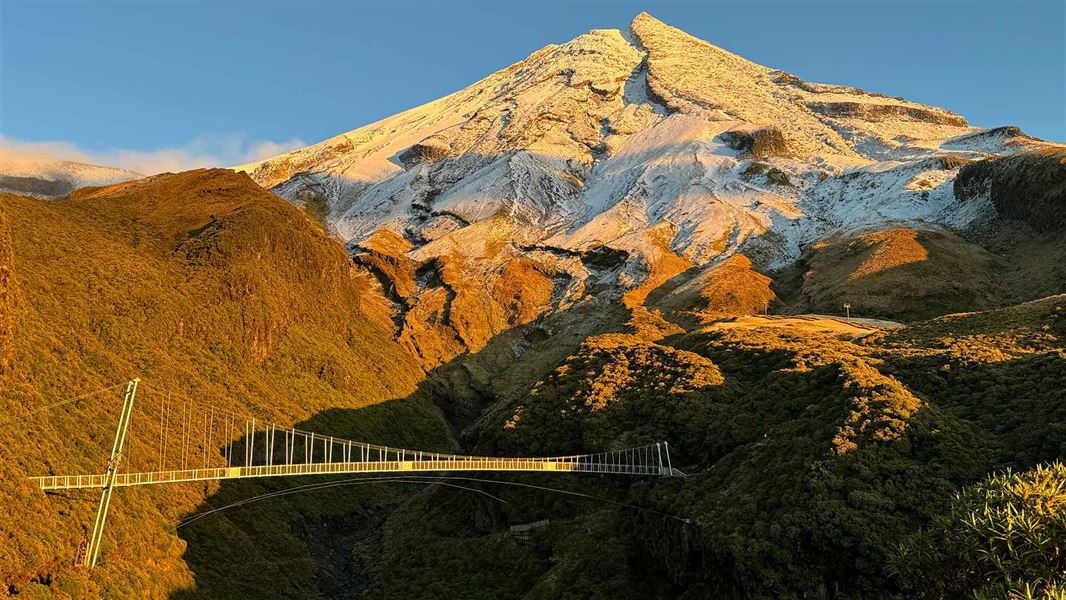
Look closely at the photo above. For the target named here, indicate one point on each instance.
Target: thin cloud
(207, 150)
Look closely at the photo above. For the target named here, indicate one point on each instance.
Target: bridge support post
(93, 551)
(669, 467)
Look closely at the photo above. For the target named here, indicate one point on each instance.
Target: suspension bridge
(194, 444)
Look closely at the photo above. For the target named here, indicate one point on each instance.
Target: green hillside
(811, 461)
(204, 285)
(817, 465)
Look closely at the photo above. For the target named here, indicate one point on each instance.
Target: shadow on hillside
(766, 437)
(323, 543)
(326, 542)
(316, 543)
(952, 275)
(1019, 402)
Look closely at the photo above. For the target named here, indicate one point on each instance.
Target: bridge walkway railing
(122, 479)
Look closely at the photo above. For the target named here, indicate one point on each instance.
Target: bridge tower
(93, 550)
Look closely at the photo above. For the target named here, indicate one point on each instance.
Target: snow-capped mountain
(50, 178)
(646, 145)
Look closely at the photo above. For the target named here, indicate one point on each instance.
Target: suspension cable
(60, 403)
(425, 481)
(570, 493)
(317, 486)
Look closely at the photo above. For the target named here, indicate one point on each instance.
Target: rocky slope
(50, 179)
(603, 167)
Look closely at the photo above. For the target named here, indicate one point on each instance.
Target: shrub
(1002, 538)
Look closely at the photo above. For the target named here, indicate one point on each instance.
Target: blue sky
(179, 84)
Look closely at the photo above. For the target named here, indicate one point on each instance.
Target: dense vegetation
(810, 460)
(203, 285)
(818, 464)
(1001, 538)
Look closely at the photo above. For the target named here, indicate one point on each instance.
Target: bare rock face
(758, 144)
(428, 150)
(645, 145)
(441, 311)
(874, 112)
(997, 140)
(1029, 186)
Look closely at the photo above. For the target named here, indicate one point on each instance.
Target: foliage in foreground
(1002, 538)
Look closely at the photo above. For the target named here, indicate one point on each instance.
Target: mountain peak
(646, 20)
(659, 147)
(634, 77)
(648, 29)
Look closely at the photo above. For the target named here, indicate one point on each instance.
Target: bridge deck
(67, 482)
(296, 453)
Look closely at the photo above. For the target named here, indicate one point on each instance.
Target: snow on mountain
(646, 141)
(50, 178)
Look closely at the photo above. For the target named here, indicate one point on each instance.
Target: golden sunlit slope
(202, 284)
(900, 272)
(7, 294)
(732, 287)
(475, 286)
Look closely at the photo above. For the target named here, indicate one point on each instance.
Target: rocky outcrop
(457, 298)
(758, 144)
(942, 163)
(270, 173)
(996, 140)
(428, 150)
(874, 111)
(307, 191)
(1029, 187)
